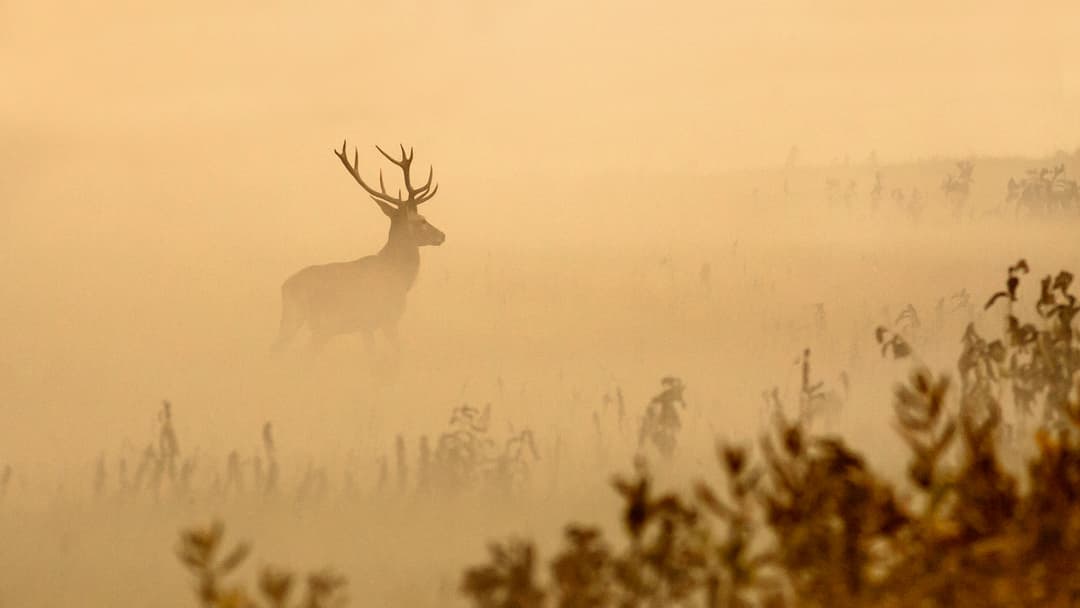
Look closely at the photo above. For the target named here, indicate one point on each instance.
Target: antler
(415, 196)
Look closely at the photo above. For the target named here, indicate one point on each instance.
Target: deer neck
(402, 254)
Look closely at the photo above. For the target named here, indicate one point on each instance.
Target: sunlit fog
(687, 242)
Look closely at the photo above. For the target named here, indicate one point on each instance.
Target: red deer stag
(367, 294)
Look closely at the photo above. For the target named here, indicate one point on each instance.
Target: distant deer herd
(1043, 192)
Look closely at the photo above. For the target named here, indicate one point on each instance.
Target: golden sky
(559, 85)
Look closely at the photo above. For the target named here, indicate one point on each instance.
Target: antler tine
(353, 169)
(423, 191)
(427, 185)
(401, 163)
(415, 196)
(426, 197)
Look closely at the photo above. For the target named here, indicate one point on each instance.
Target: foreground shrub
(809, 523)
(200, 551)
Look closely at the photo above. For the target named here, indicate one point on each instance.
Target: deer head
(405, 221)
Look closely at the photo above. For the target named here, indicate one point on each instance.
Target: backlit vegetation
(808, 522)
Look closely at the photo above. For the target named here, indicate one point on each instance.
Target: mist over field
(628, 190)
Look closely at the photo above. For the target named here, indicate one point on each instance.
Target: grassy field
(544, 302)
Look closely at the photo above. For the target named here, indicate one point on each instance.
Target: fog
(638, 87)
(620, 201)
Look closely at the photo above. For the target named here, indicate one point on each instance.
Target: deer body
(369, 293)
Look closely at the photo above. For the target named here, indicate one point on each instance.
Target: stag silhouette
(367, 294)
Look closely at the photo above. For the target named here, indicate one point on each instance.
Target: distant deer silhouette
(1044, 191)
(957, 187)
(368, 294)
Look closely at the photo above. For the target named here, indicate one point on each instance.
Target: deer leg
(391, 335)
(372, 362)
(368, 338)
(291, 321)
(318, 341)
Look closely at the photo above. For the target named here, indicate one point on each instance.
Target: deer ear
(387, 209)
